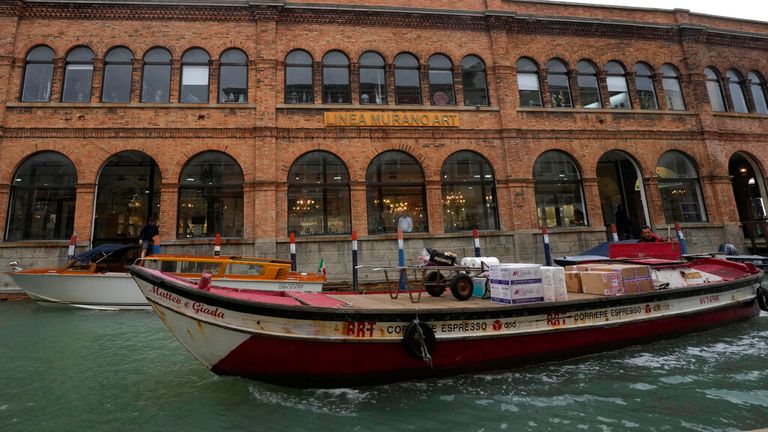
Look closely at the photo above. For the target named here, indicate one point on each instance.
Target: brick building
(255, 119)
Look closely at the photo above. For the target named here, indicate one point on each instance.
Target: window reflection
(373, 85)
(336, 78)
(559, 88)
(395, 194)
(298, 78)
(738, 101)
(469, 193)
(441, 81)
(38, 75)
(194, 76)
(318, 195)
(559, 191)
(757, 87)
(528, 83)
(118, 69)
(473, 81)
(589, 89)
(233, 77)
(680, 188)
(646, 93)
(672, 92)
(714, 90)
(156, 80)
(78, 75)
(407, 83)
(616, 81)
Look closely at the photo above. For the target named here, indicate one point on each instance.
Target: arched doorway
(749, 193)
(622, 194)
(127, 194)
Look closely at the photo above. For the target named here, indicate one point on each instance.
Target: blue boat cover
(102, 251)
(602, 248)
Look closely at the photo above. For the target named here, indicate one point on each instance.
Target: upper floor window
(441, 81)
(233, 76)
(38, 75)
(473, 81)
(528, 83)
(646, 93)
(118, 70)
(407, 82)
(559, 87)
(589, 89)
(714, 90)
(156, 80)
(469, 193)
(616, 80)
(336, 78)
(373, 85)
(559, 190)
(680, 189)
(318, 195)
(757, 87)
(194, 76)
(298, 78)
(735, 80)
(78, 76)
(42, 202)
(673, 94)
(395, 194)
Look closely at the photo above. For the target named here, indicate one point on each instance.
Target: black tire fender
(418, 338)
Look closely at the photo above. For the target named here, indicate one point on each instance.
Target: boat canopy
(101, 252)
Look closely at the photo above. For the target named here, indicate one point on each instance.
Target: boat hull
(336, 346)
(106, 291)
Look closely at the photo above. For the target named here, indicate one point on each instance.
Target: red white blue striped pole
(217, 245)
(401, 257)
(547, 251)
(71, 249)
(681, 238)
(614, 234)
(293, 251)
(477, 242)
(354, 260)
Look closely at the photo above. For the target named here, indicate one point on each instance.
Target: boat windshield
(245, 269)
(182, 266)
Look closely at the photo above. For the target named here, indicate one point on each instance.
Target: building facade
(255, 120)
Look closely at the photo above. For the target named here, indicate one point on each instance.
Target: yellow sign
(391, 119)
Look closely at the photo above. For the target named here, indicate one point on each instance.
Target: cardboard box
(636, 278)
(607, 283)
(573, 281)
(517, 293)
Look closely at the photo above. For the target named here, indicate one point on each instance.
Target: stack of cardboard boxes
(608, 279)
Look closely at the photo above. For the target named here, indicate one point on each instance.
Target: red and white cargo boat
(347, 339)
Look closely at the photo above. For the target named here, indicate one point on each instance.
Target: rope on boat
(419, 340)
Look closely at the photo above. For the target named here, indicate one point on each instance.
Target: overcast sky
(747, 9)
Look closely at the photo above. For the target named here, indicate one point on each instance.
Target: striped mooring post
(71, 249)
(293, 251)
(217, 245)
(354, 260)
(401, 258)
(681, 238)
(547, 251)
(477, 242)
(614, 234)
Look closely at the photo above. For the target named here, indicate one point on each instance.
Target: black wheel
(419, 340)
(462, 286)
(434, 283)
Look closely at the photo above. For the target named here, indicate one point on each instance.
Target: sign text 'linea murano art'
(392, 119)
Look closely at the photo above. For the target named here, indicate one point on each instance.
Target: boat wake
(337, 402)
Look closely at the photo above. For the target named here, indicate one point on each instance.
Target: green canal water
(77, 370)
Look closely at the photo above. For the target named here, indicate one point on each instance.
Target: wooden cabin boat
(360, 339)
(99, 279)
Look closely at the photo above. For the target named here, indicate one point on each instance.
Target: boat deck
(446, 301)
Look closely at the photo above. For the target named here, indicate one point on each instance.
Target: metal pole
(681, 238)
(217, 245)
(401, 258)
(354, 260)
(71, 249)
(547, 251)
(293, 251)
(477, 242)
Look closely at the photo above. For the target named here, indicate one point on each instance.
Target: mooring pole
(477, 242)
(293, 251)
(354, 260)
(401, 258)
(547, 251)
(681, 238)
(71, 249)
(217, 245)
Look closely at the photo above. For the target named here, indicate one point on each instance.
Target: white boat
(98, 279)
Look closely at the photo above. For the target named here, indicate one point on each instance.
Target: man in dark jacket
(146, 237)
(646, 235)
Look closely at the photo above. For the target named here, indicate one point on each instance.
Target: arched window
(559, 190)
(373, 84)
(298, 78)
(407, 82)
(528, 83)
(673, 94)
(38, 75)
(441, 81)
(336, 78)
(78, 76)
(646, 93)
(42, 203)
(318, 195)
(194, 76)
(395, 194)
(233, 76)
(757, 87)
(680, 188)
(589, 89)
(738, 102)
(469, 193)
(210, 197)
(559, 88)
(156, 82)
(474, 82)
(714, 90)
(616, 80)
(118, 68)
(128, 193)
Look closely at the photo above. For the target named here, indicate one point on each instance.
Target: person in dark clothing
(146, 236)
(646, 235)
(623, 225)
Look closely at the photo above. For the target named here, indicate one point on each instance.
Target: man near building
(646, 235)
(146, 237)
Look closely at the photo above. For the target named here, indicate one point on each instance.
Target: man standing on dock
(146, 237)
